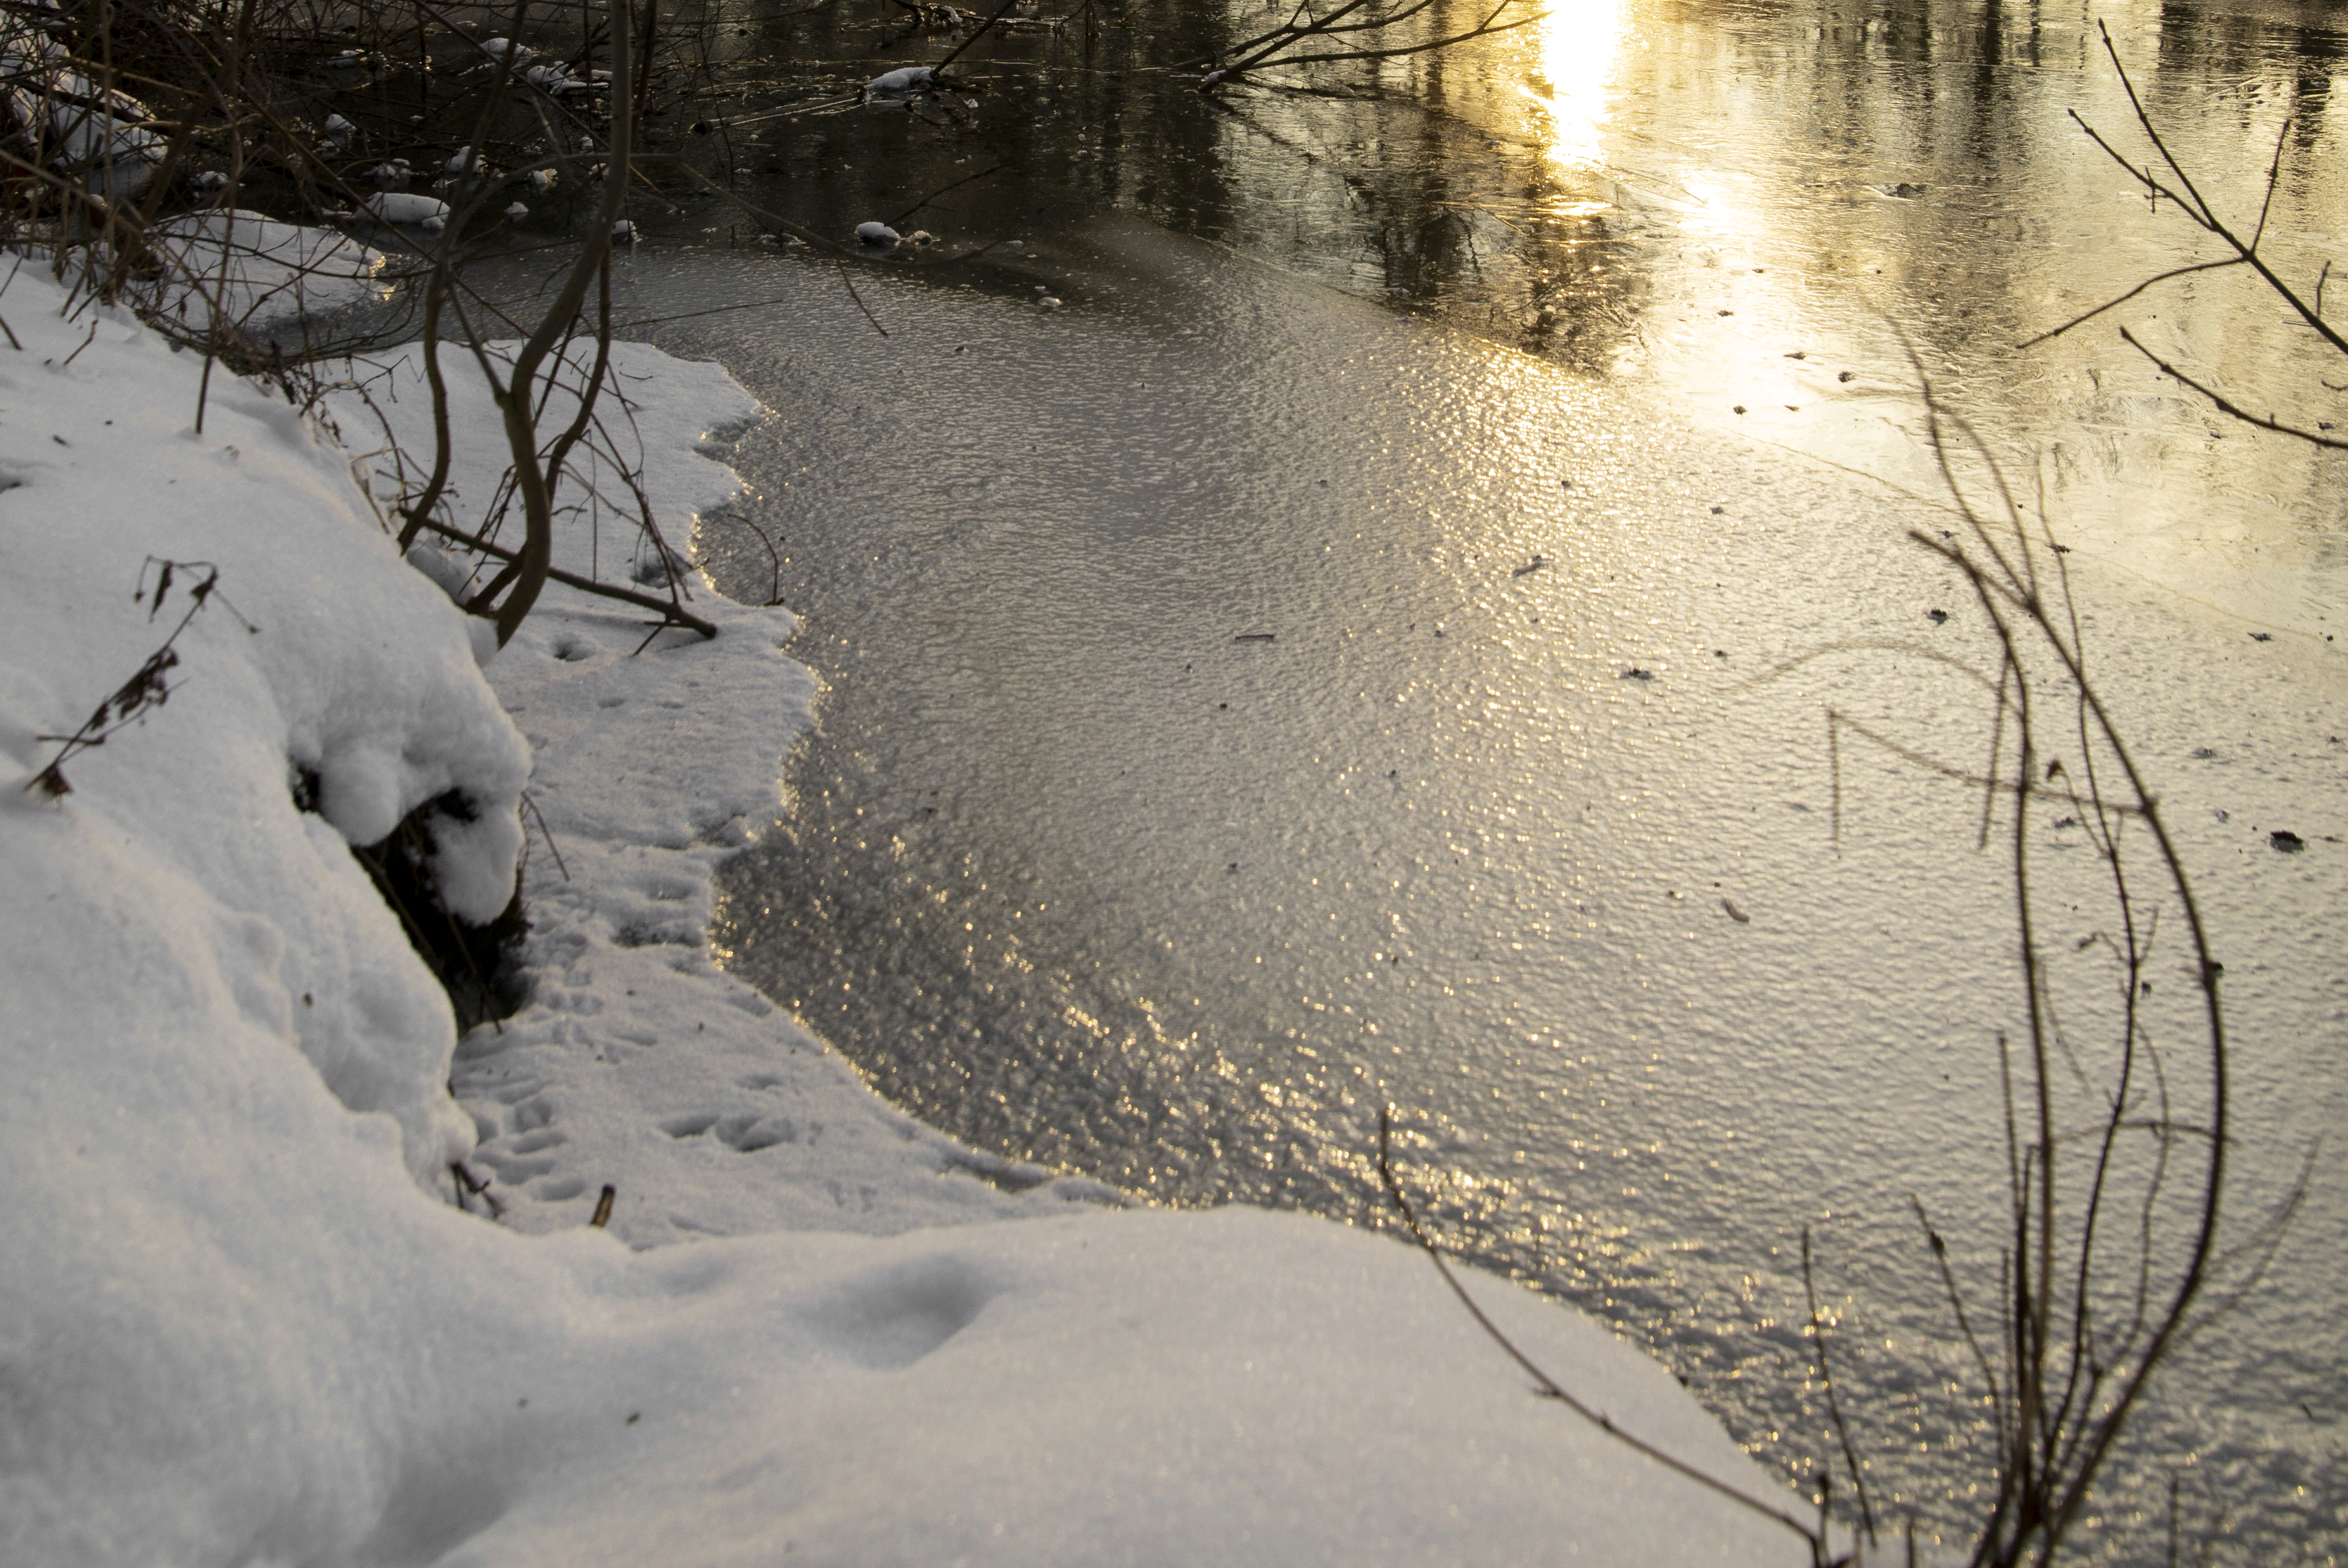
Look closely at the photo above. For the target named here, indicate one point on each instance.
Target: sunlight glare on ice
(1580, 42)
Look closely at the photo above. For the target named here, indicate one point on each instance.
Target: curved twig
(1546, 1386)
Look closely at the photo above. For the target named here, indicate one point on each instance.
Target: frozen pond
(1202, 766)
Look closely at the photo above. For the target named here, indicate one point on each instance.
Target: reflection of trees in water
(2285, 62)
(1381, 180)
(2229, 43)
(1420, 207)
(1556, 287)
(1414, 180)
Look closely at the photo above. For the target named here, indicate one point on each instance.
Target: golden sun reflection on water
(1580, 44)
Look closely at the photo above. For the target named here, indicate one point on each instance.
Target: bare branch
(2227, 405)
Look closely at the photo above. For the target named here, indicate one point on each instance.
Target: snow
(902, 84)
(554, 78)
(99, 136)
(263, 272)
(315, 687)
(261, 1331)
(398, 209)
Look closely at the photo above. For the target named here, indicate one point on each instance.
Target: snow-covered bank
(246, 1323)
(635, 1062)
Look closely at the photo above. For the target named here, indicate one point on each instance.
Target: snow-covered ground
(245, 1321)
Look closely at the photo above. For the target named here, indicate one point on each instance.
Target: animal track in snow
(638, 935)
(896, 1315)
(512, 1169)
(748, 1134)
(744, 1133)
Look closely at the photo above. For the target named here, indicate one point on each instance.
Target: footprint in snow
(896, 1315)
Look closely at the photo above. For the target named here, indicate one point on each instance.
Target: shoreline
(1012, 636)
(634, 1060)
(296, 1354)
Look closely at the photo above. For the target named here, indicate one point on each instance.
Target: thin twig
(1543, 1383)
(1826, 1381)
(2227, 405)
(849, 284)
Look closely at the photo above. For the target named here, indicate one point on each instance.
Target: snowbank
(352, 670)
(637, 1062)
(263, 274)
(237, 1332)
